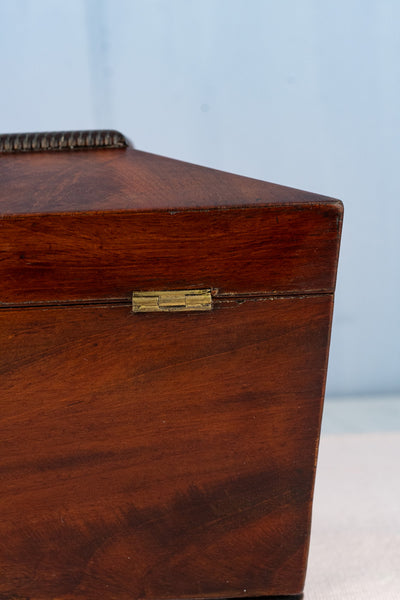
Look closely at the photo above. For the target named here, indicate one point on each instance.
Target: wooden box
(163, 449)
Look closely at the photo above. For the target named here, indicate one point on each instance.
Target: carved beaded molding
(61, 140)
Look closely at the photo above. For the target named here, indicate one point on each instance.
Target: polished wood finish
(100, 256)
(159, 455)
(127, 179)
(98, 224)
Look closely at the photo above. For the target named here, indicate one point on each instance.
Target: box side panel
(159, 456)
(272, 250)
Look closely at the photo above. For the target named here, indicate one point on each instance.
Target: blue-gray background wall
(300, 92)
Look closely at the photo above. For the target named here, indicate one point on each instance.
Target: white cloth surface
(355, 536)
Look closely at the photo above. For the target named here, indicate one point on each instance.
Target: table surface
(355, 537)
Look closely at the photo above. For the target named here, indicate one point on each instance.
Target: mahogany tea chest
(164, 334)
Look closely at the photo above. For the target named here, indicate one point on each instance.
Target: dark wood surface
(96, 225)
(159, 456)
(101, 180)
(97, 256)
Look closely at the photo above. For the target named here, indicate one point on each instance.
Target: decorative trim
(61, 140)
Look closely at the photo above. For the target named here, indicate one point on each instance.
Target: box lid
(101, 222)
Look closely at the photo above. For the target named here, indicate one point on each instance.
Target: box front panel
(162, 455)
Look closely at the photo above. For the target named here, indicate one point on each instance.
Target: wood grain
(97, 256)
(159, 456)
(124, 180)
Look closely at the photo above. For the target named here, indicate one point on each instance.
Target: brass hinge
(172, 301)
